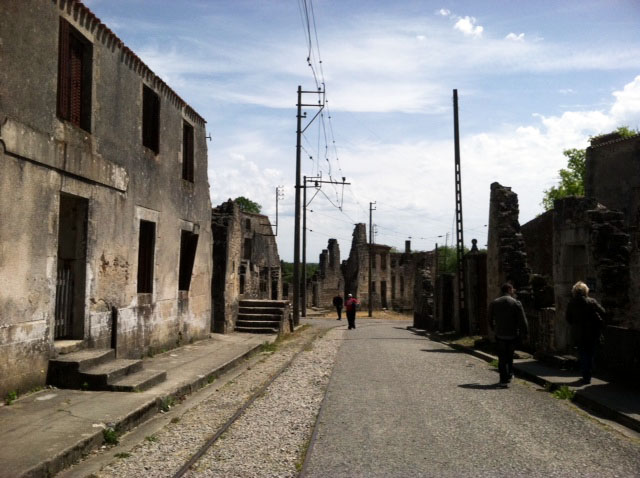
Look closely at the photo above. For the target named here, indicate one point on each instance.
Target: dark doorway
(71, 273)
(383, 294)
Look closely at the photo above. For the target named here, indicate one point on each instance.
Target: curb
(137, 416)
(579, 398)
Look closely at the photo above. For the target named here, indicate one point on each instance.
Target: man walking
(337, 303)
(507, 319)
(351, 305)
(587, 317)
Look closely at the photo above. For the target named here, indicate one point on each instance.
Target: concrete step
(266, 317)
(273, 324)
(256, 330)
(68, 346)
(139, 381)
(65, 370)
(101, 376)
(280, 304)
(260, 310)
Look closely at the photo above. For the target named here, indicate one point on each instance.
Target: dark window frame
(150, 119)
(188, 249)
(146, 256)
(188, 160)
(75, 70)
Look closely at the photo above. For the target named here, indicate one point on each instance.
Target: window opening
(188, 247)
(146, 253)
(187, 152)
(150, 119)
(75, 55)
(247, 249)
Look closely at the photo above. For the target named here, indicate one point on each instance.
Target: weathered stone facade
(506, 254)
(327, 282)
(105, 199)
(246, 262)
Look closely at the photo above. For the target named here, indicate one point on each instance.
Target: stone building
(246, 262)
(106, 237)
(327, 282)
(356, 270)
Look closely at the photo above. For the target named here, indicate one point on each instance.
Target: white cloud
(444, 12)
(513, 37)
(627, 103)
(467, 25)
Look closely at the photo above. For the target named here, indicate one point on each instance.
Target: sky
(533, 78)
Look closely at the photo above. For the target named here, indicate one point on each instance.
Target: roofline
(84, 16)
(616, 140)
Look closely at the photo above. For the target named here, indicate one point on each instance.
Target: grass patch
(268, 347)
(467, 341)
(110, 436)
(175, 419)
(167, 402)
(564, 393)
(11, 397)
(122, 455)
(151, 438)
(494, 363)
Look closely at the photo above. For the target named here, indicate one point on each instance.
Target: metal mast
(459, 236)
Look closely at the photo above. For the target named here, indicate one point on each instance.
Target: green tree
(572, 178)
(448, 259)
(247, 205)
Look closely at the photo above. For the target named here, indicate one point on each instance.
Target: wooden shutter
(76, 58)
(64, 72)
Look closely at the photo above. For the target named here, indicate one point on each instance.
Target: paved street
(399, 404)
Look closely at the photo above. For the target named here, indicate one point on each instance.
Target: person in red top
(351, 305)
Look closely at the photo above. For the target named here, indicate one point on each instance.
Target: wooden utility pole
(296, 232)
(464, 326)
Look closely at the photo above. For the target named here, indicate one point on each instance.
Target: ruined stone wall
(353, 269)
(246, 262)
(612, 175)
(423, 290)
(475, 275)
(328, 280)
(538, 240)
(106, 167)
(589, 244)
(506, 253)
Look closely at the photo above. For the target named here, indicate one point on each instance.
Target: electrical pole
(464, 326)
(371, 209)
(316, 182)
(296, 233)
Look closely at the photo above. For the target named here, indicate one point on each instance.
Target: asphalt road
(400, 405)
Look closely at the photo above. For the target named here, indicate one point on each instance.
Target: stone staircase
(99, 369)
(261, 316)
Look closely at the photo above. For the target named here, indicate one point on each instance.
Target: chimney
(407, 247)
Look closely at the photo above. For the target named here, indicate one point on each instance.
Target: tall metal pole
(304, 246)
(296, 235)
(371, 209)
(464, 325)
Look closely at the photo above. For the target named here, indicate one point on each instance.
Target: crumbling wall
(246, 262)
(355, 268)
(475, 275)
(506, 253)
(423, 291)
(589, 244)
(327, 281)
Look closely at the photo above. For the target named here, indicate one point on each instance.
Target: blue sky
(533, 78)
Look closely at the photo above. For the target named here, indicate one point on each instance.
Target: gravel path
(400, 405)
(268, 440)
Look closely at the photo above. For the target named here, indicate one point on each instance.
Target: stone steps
(260, 316)
(98, 369)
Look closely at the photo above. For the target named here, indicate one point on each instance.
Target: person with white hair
(586, 316)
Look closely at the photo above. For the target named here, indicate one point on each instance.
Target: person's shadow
(480, 386)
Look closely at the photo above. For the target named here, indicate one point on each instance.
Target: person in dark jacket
(508, 321)
(586, 316)
(337, 303)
